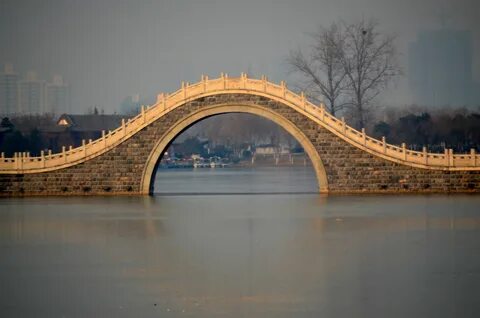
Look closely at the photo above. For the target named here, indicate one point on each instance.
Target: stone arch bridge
(124, 161)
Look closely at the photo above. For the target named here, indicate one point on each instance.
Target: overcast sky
(109, 49)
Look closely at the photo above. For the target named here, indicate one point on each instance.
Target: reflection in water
(282, 255)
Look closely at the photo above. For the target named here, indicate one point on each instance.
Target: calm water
(240, 255)
(260, 180)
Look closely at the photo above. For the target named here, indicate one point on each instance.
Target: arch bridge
(345, 160)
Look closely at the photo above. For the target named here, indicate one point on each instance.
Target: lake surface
(192, 253)
(247, 180)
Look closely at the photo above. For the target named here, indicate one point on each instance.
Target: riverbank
(284, 160)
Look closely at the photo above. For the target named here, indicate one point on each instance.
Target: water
(257, 180)
(240, 255)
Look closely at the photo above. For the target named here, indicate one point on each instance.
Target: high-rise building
(130, 104)
(57, 96)
(8, 91)
(440, 68)
(32, 95)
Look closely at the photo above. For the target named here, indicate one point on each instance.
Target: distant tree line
(22, 135)
(456, 129)
(34, 133)
(13, 140)
(194, 145)
(234, 130)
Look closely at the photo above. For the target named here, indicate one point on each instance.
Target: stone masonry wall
(349, 169)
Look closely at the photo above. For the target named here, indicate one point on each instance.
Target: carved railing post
(404, 151)
(384, 144)
(243, 78)
(164, 100)
(222, 77)
(425, 155)
(64, 154)
(302, 98)
(204, 82)
(344, 126)
(184, 91)
(322, 111)
(105, 139)
(264, 82)
(447, 160)
(124, 129)
(473, 157)
(160, 101)
(42, 158)
(84, 148)
(451, 158)
(284, 88)
(364, 137)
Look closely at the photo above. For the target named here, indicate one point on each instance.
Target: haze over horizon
(107, 50)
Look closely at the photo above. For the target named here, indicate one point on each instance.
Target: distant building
(130, 104)
(266, 149)
(8, 91)
(57, 97)
(94, 123)
(270, 149)
(71, 129)
(31, 95)
(440, 68)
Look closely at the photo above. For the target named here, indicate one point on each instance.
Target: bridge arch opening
(149, 172)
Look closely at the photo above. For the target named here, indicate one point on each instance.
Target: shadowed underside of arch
(184, 123)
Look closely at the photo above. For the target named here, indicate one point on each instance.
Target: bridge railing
(24, 163)
(402, 154)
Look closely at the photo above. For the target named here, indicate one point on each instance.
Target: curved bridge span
(345, 160)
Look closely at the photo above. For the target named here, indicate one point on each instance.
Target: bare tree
(369, 59)
(321, 71)
(348, 65)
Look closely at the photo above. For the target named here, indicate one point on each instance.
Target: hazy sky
(109, 49)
